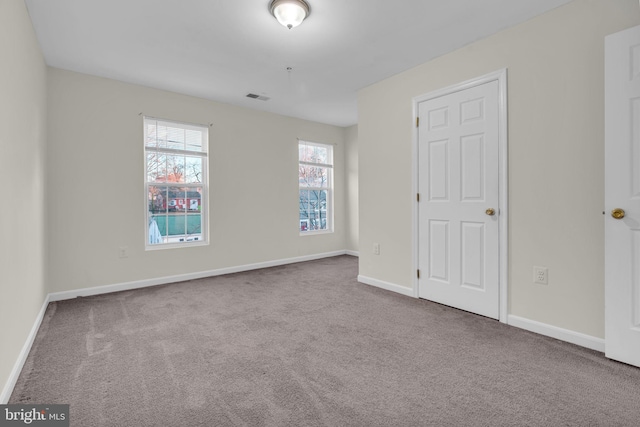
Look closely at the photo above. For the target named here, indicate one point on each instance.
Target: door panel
(622, 190)
(472, 253)
(438, 251)
(439, 170)
(458, 155)
(472, 167)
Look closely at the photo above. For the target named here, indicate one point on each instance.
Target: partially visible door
(622, 196)
(458, 182)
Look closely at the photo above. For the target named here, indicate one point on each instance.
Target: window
(175, 183)
(315, 178)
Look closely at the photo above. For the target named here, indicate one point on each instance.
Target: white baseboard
(386, 285)
(353, 253)
(98, 290)
(22, 357)
(567, 335)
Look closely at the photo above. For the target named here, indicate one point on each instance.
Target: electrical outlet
(376, 248)
(541, 275)
(123, 252)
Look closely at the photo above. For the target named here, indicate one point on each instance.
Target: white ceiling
(222, 50)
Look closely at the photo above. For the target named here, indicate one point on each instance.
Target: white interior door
(622, 192)
(458, 212)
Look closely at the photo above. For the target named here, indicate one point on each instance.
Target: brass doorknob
(617, 213)
(490, 212)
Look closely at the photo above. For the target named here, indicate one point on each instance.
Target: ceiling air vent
(260, 97)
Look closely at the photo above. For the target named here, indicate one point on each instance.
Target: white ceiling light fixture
(289, 13)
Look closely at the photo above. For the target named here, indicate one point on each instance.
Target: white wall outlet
(541, 275)
(376, 248)
(123, 252)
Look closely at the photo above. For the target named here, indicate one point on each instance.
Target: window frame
(329, 217)
(203, 186)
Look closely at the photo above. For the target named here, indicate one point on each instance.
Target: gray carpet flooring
(307, 345)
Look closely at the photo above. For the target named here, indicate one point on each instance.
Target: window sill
(161, 246)
(315, 233)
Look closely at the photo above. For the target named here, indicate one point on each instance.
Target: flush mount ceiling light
(289, 13)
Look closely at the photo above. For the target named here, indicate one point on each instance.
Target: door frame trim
(503, 162)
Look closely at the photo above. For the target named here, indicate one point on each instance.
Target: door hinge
(418, 273)
(417, 122)
(418, 197)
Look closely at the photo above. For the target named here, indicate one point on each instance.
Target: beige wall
(96, 194)
(22, 155)
(351, 191)
(556, 170)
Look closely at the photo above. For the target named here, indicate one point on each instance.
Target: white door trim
(503, 218)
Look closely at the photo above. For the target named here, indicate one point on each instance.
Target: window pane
(157, 199)
(156, 166)
(177, 200)
(152, 166)
(157, 210)
(194, 140)
(313, 210)
(313, 154)
(184, 227)
(161, 136)
(193, 170)
(194, 227)
(157, 229)
(193, 201)
(175, 138)
(320, 222)
(152, 134)
(175, 168)
(304, 210)
(177, 225)
(313, 176)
